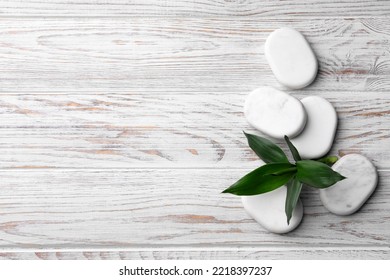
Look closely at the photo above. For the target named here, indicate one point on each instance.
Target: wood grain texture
(179, 208)
(212, 254)
(120, 124)
(198, 8)
(181, 55)
(176, 130)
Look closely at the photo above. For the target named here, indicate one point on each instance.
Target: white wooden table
(121, 122)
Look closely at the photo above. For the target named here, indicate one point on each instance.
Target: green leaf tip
(317, 174)
(292, 148)
(294, 188)
(265, 149)
(262, 179)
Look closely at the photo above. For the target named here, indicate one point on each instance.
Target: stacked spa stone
(311, 124)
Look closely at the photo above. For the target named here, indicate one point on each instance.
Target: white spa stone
(291, 58)
(317, 137)
(274, 112)
(268, 210)
(347, 196)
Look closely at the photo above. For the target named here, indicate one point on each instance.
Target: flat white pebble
(317, 137)
(268, 210)
(274, 112)
(291, 58)
(347, 196)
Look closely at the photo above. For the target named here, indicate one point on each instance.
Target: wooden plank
(217, 254)
(177, 130)
(199, 8)
(181, 208)
(140, 88)
(181, 55)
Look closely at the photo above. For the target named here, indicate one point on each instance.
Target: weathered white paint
(95, 149)
(139, 130)
(138, 208)
(230, 253)
(197, 8)
(188, 55)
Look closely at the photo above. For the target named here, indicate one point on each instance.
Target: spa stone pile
(311, 125)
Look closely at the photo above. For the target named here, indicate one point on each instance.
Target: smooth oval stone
(347, 196)
(317, 137)
(268, 210)
(291, 58)
(274, 112)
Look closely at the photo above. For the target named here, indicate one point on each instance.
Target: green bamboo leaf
(292, 148)
(263, 179)
(317, 174)
(294, 188)
(265, 149)
(330, 160)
